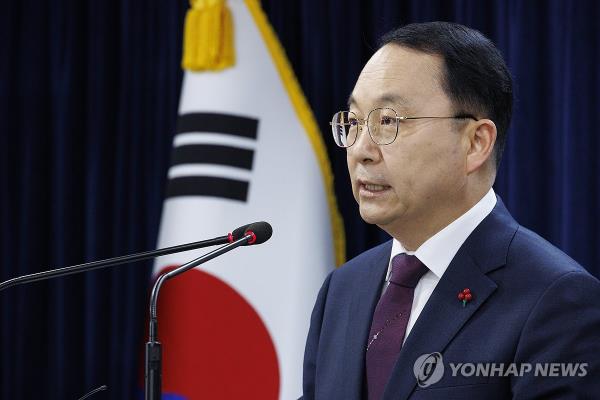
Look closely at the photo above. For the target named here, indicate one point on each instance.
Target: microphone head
(261, 231)
(238, 233)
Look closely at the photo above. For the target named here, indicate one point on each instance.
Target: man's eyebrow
(385, 99)
(389, 98)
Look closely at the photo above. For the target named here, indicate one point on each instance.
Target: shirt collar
(438, 251)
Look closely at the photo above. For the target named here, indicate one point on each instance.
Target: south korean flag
(246, 149)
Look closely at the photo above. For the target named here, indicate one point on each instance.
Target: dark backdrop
(88, 98)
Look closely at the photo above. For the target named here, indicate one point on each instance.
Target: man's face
(421, 173)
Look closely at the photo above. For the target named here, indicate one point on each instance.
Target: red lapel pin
(465, 296)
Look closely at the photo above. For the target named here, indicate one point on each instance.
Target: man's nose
(364, 148)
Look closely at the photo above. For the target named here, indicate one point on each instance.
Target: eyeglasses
(383, 125)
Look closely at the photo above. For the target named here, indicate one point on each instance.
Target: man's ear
(482, 137)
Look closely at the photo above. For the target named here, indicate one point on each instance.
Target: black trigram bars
(214, 154)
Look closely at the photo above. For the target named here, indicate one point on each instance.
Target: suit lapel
(440, 320)
(444, 315)
(366, 291)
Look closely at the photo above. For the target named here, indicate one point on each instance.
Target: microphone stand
(153, 352)
(153, 365)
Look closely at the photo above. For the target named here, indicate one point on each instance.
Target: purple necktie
(389, 322)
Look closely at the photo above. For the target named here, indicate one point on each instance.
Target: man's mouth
(371, 189)
(374, 188)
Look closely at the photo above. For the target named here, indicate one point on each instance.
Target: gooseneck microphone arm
(111, 262)
(55, 273)
(181, 270)
(40, 276)
(153, 367)
(256, 233)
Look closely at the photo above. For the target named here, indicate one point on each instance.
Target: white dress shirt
(438, 251)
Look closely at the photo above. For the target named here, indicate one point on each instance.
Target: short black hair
(476, 78)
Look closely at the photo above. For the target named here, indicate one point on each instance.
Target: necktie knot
(407, 270)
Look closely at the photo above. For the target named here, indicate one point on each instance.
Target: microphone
(256, 233)
(260, 232)
(55, 273)
(250, 234)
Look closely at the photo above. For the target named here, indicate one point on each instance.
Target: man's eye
(386, 120)
(352, 121)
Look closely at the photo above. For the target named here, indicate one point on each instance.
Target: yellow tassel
(208, 36)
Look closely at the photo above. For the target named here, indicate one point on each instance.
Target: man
(464, 303)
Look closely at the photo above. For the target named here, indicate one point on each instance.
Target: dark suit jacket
(532, 304)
